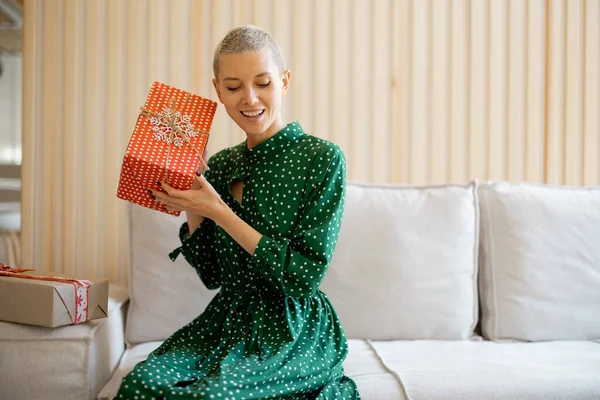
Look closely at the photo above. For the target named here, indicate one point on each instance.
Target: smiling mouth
(252, 113)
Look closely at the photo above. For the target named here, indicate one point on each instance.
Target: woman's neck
(256, 139)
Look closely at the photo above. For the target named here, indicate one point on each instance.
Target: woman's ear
(216, 85)
(285, 80)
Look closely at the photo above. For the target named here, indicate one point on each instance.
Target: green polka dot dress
(269, 333)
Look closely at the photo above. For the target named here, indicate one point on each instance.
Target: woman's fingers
(171, 191)
(165, 198)
(199, 181)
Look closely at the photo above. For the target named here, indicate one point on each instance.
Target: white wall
(10, 108)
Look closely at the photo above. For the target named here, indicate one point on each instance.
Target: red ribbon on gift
(81, 288)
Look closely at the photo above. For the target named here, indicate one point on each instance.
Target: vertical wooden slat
(536, 90)
(459, 94)
(340, 75)
(321, 82)
(440, 90)
(498, 90)
(401, 90)
(591, 168)
(71, 68)
(32, 58)
(158, 33)
(379, 131)
(280, 26)
(101, 139)
(135, 15)
(261, 13)
(201, 68)
(479, 89)
(220, 24)
(241, 16)
(50, 122)
(574, 92)
(302, 28)
(115, 226)
(555, 102)
(91, 140)
(517, 93)
(179, 30)
(57, 142)
(360, 111)
(421, 110)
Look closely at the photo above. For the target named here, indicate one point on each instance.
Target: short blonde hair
(245, 39)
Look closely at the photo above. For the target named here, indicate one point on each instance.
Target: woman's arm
(205, 202)
(238, 229)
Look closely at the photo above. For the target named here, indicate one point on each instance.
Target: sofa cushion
(71, 362)
(362, 365)
(406, 262)
(165, 295)
(474, 370)
(540, 270)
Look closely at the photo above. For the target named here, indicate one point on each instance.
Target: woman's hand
(202, 199)
(201, 168)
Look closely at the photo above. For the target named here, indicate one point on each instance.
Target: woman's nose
(249, 97)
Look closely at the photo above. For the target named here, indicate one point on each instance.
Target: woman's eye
(264, 84)
(232, 89)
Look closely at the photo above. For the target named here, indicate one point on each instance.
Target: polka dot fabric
(146, 155)
(269, 333)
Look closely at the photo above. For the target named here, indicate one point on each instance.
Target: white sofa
(487, 291)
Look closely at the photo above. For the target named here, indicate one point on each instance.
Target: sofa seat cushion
(362, 365)
(491, 370)
(69, 362)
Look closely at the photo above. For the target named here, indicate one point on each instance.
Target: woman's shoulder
(315, 147)
(224, 157)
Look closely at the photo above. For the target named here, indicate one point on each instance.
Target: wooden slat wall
(414, 91)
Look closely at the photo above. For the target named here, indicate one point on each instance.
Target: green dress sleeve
(199, 250)
(296, 266)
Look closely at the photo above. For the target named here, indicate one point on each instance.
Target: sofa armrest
(108, 345)
(76, 360)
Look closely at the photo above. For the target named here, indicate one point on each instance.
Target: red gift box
(166, 145)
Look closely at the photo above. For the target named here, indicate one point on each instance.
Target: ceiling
(11, 22)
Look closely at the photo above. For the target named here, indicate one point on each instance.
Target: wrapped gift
(166, 145)
(50, 299)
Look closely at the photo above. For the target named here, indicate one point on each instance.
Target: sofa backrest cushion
(165, 295)
(540, 262)
(405, 266)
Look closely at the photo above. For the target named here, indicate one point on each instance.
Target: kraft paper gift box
(50, 299)
(166, 145)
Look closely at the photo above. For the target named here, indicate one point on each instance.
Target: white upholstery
(70, 362)
(474, 370)
(405, 265)
(362, 365)
(165, 295)
(540, 272)
(453, 369)
(406, 268)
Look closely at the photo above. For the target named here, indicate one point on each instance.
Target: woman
(262, 225)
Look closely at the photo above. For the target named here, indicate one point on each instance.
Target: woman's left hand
(204, 201)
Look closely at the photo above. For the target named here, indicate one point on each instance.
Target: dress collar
(275, 144)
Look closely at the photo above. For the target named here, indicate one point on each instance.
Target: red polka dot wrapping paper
(154, 140)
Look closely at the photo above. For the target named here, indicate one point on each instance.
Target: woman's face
(251, 89)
